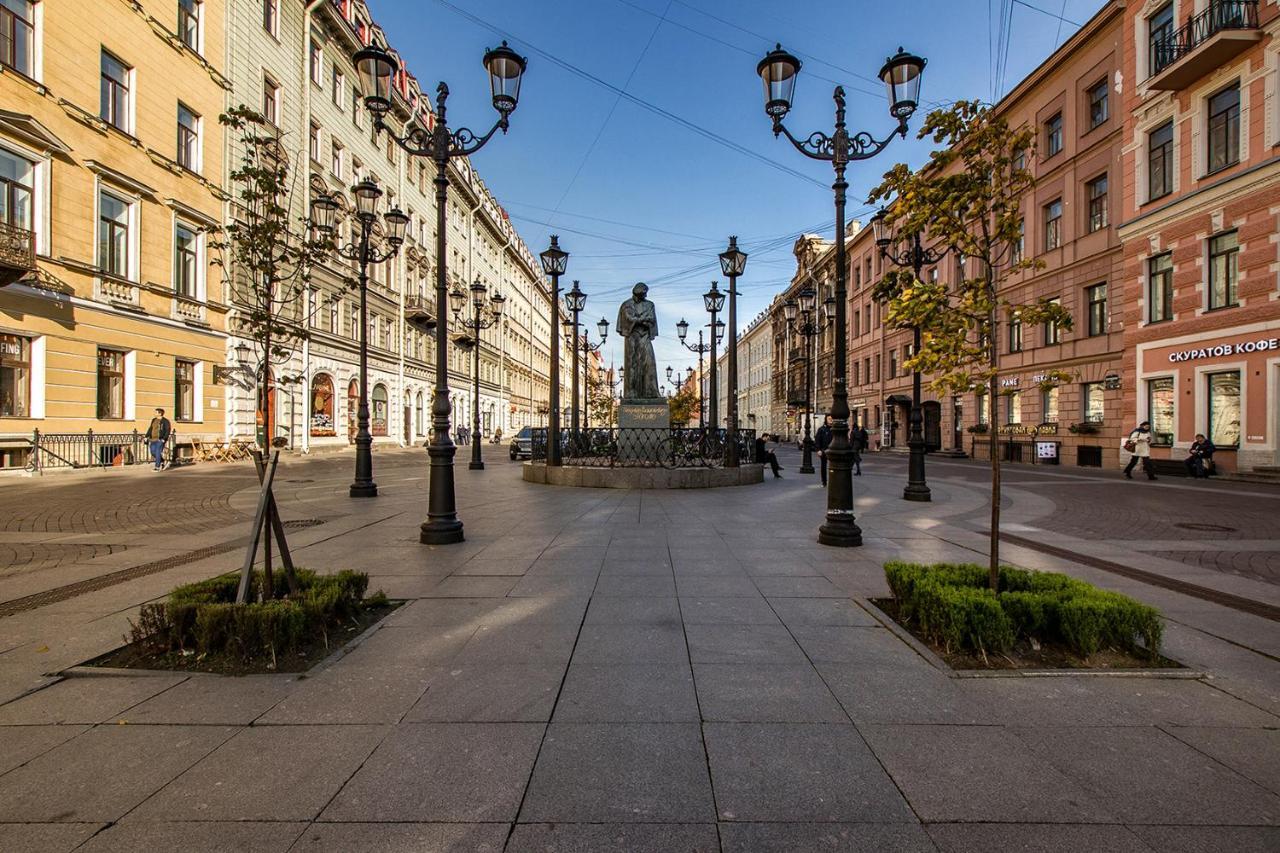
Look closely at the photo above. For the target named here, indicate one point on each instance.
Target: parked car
(522, 444)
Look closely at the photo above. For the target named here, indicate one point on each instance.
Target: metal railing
(17, 253)
(1220, 15)
(94, 450)
(657, 447)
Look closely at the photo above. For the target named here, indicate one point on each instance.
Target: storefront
(1223, 386)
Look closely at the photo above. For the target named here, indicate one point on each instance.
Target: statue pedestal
(644, 430)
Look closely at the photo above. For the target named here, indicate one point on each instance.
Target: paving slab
(442, 772)
(1210, 839)
(1035, 838)
(715, 586)
(402, 838)
(1253, 753)
(20, 744)
(456, 586)
(895, 694)
(551, 609)
(798, 587)
(981, 774)
(801, 612)
(632, 610)
(764, 693)
(630, 644)
(214, 700)
(519, 643)
(104, 773)
(824, 838)
(614, 838)
(1147, 776)
(798, 772)
(620, 773)
(267, 773)
(739, 610)
(444, 611)
(90, 699)
(45, 837)
(196, 837)
(351, 693)
(867, 647)
(636, 585)
(743, 644)
(628, 693)
(490, 693)
(554, 585)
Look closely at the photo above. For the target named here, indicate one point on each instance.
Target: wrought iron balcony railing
(1220, 16)
(17, 253)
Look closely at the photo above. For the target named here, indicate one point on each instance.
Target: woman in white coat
(1138, 443)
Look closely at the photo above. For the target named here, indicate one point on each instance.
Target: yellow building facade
(111, 158)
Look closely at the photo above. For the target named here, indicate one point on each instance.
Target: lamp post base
(476, 466)
(363, 490)
(440, 532)
(840, 532)
(916, 492)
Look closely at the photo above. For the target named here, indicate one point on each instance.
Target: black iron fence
(658, 447)
(1030, 449)
(91, 449)
(1218, 16)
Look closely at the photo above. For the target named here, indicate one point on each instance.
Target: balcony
(419, 312)
(17, 253)
(1209, 40)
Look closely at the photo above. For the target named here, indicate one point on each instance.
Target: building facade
(803, 365)
(755, 375)
(110, 170)
(1200, 204)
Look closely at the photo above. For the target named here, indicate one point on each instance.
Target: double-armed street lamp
(581, 344)
(910, 253)
(363, 251)
(901, 75)
(804, 320)
(713, 301)
(554, 262)
(486, 312)
(733, 262)
(379, 71)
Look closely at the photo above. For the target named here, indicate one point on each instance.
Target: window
(270, 100)
(1052, 332)
(15, 377)
(984, 413)
(186, 261)
(1224, 408)
(355, 107)
(17, 35)
(1097, 191)
(1098, 108)
(1013, 410)
(1224, 270)
(316, 63)
(1224, 128)
(1160, 161)
(335, 164)
(188, 139)
(113, 235)
(271, 16)
(184, 391)
(378, 416)
(1049, 406)
(17, 182)
(1053, 225)
(893, 363)
(313, 143)
(1091, 394)
(1160, 288)
(1160, 409)
(1159, 30)
(110, 384)
(1015, 252)
(189, 12)
(1096, 299)
(114, 102)
(1053, 135)
(338, 87)
(322, 400)
(1015, 334)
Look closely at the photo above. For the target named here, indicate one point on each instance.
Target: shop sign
(1028, 429)
(1111, 382)
(1046, 450)
(1262, 345)
(1010, 382)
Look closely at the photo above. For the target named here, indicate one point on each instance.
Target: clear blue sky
(636, 195)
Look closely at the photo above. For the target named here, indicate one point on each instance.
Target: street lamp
(575, 301)
(682, 330)
(713, 301)
(583, 342)
(361, 250)
(377, 70)
(733, 262)
(554, 262)
(485, 314)
(901, 75)
(916, 257)
(804, 321)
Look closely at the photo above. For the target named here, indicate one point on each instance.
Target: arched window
(418, 419)
(378, 413)
(322, 402)
(353, 408)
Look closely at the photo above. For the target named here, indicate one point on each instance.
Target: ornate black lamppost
(701, 348)
(378, 69)
(581, 343)
(901, 76)
(363, 252)
(804, 320)
(733, 262)
(917, 257)
(554, 262)
(485, 314)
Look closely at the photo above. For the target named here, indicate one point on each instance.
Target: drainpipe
(308, 6)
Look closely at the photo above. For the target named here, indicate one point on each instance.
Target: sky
(641, 138)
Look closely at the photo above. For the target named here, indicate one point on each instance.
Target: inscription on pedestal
(644, 430)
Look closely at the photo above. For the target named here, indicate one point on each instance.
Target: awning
(901, 399)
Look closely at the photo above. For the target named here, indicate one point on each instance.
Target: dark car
(522, 444)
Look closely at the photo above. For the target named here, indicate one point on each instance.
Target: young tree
(684, 404)
(601, 405)
(969, 197)
(267, 255)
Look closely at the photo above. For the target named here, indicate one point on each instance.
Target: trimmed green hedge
(954, 608)
(203, 618)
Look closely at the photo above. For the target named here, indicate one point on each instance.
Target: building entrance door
(932, 425)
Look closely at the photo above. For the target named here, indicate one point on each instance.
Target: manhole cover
(298, 523)
(1204, 527)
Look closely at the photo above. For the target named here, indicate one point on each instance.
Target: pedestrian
(1138, 443)
(824, 441)
(858, 441)
(1200, 461)
(497, 436)
(765, 455)
(157, 437)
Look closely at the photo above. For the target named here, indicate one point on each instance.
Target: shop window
(189, 14)
(184, 391)
(1053, 135)
(1053, 225)
(1224, 129)
(1224, 270)
(114, 91)
(1160, 288)
(1013, 409)
(1224, 408)
(322, 401)
(1099, 109)
(379, 408)
(1097, 192)
(17, 35)
(111, 370)
(17, 185)
(1049, 406)
(1160, 410)
(1096, 299)
(1092, 397)
(1160, 161)
(15, 376)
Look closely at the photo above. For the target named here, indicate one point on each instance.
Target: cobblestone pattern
(155, 505)
(21, 557)
(1259, 565)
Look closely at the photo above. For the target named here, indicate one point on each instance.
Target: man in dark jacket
(765, 455)
(157, 437)
(858, 441)
(1201, 452)
(823, 439)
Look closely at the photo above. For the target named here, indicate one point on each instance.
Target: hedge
(954, 608)
(203, 618)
